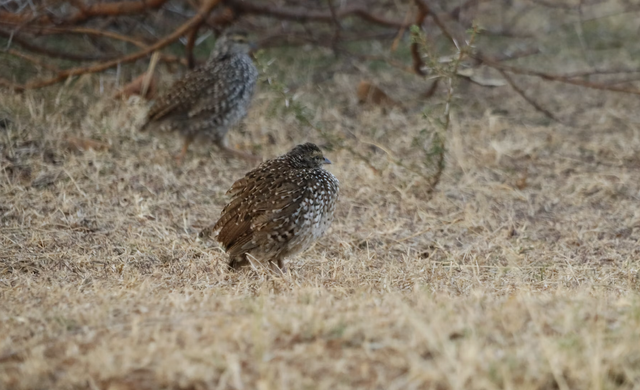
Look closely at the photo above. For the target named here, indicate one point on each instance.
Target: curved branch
(428, 9)
(301, 15)
(88, 31)
(111, 9)
(85, 12)
(42, 30)
(527, 98)
(566, 79)
(191, 43)
(32, 59)
(206, 8)
(26, 44)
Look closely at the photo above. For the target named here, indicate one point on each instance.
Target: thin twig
(336, 22)
(10, 85)
(553, 77)
(288, 39)
(554, 4)
(401, 31)
(432, 89)
(28, 45)
(415, 49)
(528, 99)
(522, 53)
(457, 11)
(148, 77)
(391, 157)
(387, 60)
(462, 52)
(191, 43)
(204, 11)
(85, 12)
(32, 59)
(303, 15)
(428, 9)
(586, 73)
(46, 30)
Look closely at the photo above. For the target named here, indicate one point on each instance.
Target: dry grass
(520, 273)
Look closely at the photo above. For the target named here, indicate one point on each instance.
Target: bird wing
(224, 91)
(181, 94)
(255, 210)
(207, 89)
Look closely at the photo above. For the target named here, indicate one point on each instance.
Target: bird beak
(327, 161)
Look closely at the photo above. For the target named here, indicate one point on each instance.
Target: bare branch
(553, 77)
(338, 30)
(44, 30)
(554, 4)
(302, 15)
(389, 61)
(191, 43)
(528, 99)
(112, 9)
(32, 59)
(517, 54)
(426, 7)
(206, 8)
(26, 44)
(457, 11)
(415, 49)
(594, 72)
(84, 12)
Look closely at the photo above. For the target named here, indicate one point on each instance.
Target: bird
(277, 210)
(210, 99)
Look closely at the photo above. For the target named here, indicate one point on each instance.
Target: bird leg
(185, 145)
(222, 144)
(239, 262)
(278, 267)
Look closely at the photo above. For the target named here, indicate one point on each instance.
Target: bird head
(307, 156)
(233, 42)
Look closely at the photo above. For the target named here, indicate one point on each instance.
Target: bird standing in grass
(278, 209)
(210, 99)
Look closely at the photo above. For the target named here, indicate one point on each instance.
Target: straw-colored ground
(520, 273)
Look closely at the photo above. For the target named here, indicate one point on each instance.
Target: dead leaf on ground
(370, 93)
(77, 144)
(136, 87)
(139, 379)
(45, 179)
(521, 182)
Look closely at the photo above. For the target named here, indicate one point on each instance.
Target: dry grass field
(521, 272)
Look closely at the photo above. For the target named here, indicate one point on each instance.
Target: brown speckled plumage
(210, 99)
(278, 209)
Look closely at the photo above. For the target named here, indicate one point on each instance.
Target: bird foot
(279, 269)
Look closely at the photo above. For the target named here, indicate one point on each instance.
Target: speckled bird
(210, 99)
(278, 209)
